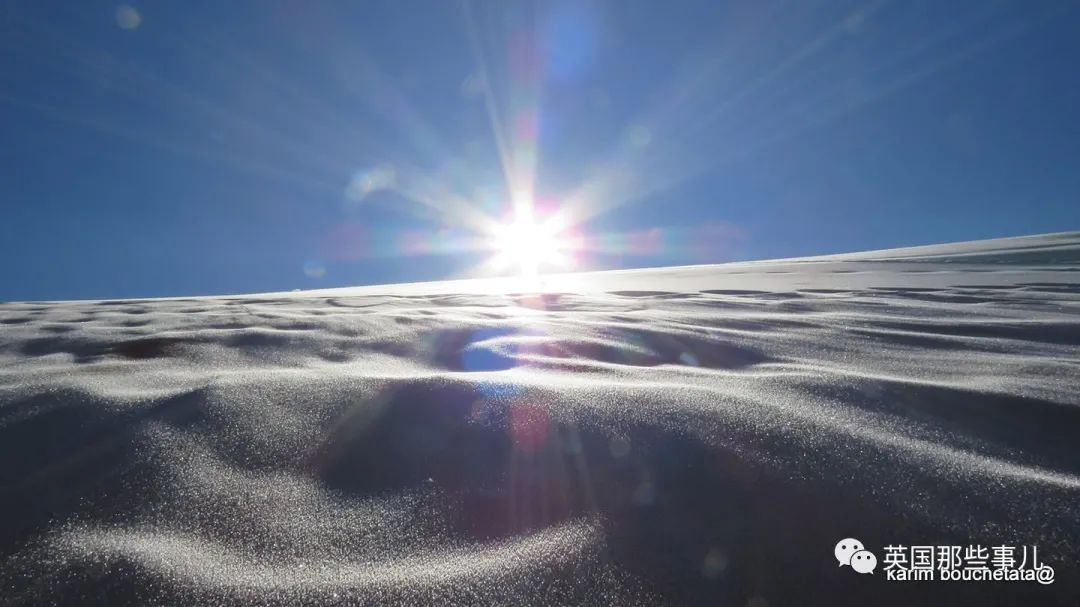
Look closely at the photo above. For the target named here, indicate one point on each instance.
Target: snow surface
(695, 435)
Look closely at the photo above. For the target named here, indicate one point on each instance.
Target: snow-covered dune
(685, 435)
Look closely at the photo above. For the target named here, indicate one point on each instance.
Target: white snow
(701, 433)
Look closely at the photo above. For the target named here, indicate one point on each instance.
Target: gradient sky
(188, 148)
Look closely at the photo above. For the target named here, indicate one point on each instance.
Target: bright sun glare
(528, 245)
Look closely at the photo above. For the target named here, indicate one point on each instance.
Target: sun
(529, 246)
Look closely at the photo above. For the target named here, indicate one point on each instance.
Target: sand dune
(696, 435)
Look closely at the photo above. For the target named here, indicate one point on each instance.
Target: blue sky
(188, 148)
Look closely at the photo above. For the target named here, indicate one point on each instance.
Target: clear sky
(197, 147)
